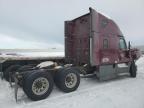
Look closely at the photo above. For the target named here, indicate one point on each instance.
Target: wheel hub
(40, 86)
(70, 80)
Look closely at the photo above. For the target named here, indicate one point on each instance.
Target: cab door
(123, 51)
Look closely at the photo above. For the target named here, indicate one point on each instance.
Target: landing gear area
(38, 81)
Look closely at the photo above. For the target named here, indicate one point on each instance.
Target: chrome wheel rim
(70, 80)
(40, 86)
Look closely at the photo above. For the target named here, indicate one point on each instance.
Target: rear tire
(133, 70)
(22, 69)
(38, 85)
(12, 69)
(67, 79)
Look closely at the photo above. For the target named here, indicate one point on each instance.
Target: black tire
(25, 76)
(21, 69)
(133, 70)
(12, 69)
(33, 79)
(62, 74)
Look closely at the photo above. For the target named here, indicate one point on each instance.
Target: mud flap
(10, 79)
(1, 72)
(1, 75)
(16, 86)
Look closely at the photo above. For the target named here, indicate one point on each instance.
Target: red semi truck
(94, 44)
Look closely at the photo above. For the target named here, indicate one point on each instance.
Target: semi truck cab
(97, 41)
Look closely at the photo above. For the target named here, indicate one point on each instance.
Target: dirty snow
(123, 92)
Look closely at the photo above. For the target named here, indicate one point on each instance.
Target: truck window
(105, 43)
(122, 44)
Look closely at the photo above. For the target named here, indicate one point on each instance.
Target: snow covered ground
(123, 92)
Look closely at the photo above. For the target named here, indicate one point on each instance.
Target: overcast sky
(40, 23)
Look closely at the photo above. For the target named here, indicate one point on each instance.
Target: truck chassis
(38, 76)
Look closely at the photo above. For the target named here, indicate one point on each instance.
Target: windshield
(122, 44)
